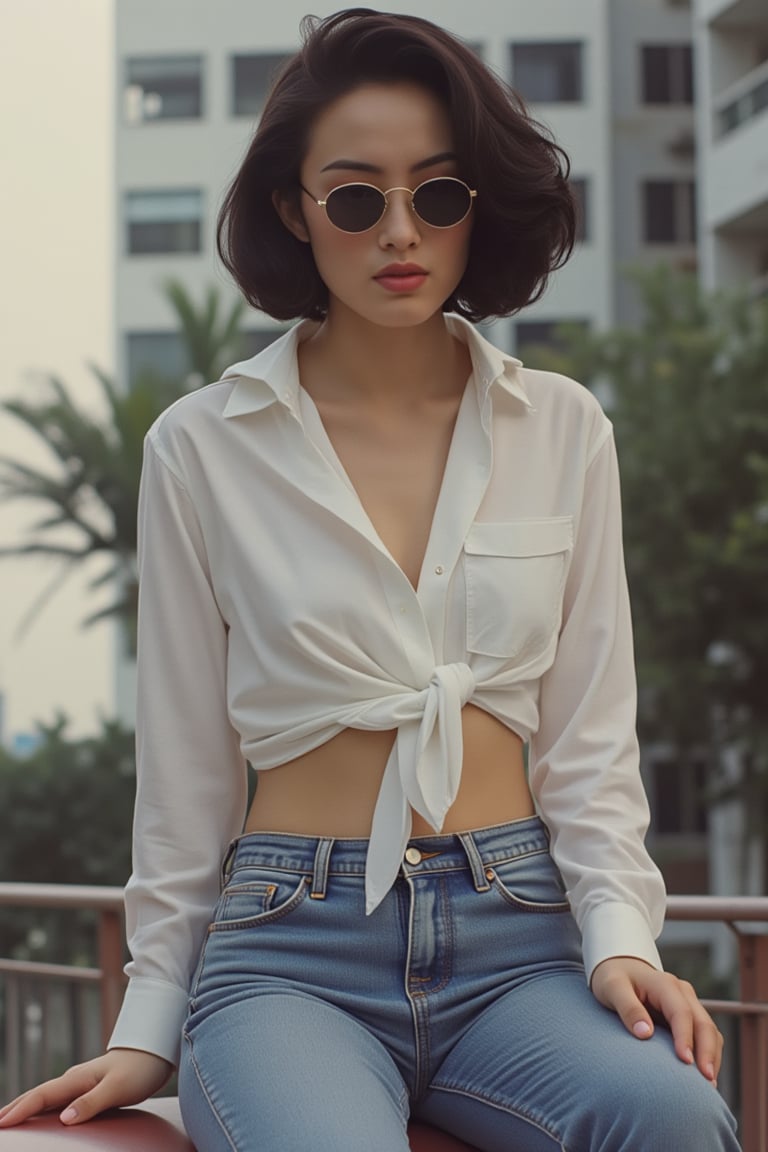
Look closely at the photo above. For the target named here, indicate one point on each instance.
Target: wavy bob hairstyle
(524, 215)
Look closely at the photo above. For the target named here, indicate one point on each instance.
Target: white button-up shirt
(272, 617)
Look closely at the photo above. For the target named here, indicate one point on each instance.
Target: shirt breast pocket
(515, 575)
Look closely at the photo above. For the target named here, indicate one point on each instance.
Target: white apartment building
(650, 104)
(731, 38)
(610, 77)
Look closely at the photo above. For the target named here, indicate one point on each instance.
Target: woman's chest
(396, 473)
(393, 554)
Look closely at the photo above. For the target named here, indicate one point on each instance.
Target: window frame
(130, 222)
(682, 216)
(678, 80)
(278, 60)
(547, 328)
(130, 84)
(583, 201)
(551, 46)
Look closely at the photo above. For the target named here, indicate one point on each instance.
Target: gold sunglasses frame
(411, 192)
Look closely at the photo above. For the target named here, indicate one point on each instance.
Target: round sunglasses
(442, 203)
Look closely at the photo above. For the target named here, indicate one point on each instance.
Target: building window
(252, 78)
(678, 792)
(669, 212)
(163, 355)
(580, 189)
(548, 73)
(256, 339)
(749, 104)
(160, 355)
(163, 222)
(551, 334)
(667, 74)
(163, 88)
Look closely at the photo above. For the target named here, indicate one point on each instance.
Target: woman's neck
(349, 358)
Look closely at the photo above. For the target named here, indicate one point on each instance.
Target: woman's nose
(399, 224)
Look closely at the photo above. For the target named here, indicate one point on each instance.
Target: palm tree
(211, 340)
(88, 497)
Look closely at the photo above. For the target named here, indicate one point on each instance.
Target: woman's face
(391, 136)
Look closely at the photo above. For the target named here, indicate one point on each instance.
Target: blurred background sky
(56, 93)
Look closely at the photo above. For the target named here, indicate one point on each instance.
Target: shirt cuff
(151, 1018)
(617, 930)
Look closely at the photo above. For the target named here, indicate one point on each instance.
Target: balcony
(57, 1014)
(742, 101)
(731, 13)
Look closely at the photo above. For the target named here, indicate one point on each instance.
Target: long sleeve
(191, 778)
(584, 757)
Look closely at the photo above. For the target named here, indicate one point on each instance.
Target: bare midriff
(332, 791)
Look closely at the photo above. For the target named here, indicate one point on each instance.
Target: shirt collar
(272, 376)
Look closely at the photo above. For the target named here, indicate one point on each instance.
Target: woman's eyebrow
(361, 166)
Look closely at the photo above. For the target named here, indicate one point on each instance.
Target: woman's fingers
(633, 989)
(707, 1038)
(614, 988)
(52, 1094)
(84, 1107)
(123, 1076)
(693, 1029)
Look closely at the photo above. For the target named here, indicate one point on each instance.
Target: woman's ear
(287, 208)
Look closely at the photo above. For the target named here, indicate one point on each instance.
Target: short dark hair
(524, 218)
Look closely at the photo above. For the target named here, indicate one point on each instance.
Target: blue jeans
(461, 1001)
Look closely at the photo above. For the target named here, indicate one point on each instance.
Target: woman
(376, 560)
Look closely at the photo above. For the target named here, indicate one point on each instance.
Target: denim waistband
(323, 856)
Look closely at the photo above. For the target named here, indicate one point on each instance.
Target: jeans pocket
(531, 883)
(257, 895)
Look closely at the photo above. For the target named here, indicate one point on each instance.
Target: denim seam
(412, 997)
(447, 868)
(518, 1113)
(446, 967)
(268, 917)
(206, 1094)
(532, 906)
(492, 858)
(198, 975)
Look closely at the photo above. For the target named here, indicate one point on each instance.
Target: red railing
(752, 1005)
(747, 917)
(16, 975)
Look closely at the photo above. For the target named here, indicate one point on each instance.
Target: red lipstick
(401, 277)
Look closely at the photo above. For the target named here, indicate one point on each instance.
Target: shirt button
(413, 856)
(403, 609)
(439, 570)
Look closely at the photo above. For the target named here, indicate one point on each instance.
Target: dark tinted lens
(355, 207)
(442, 202)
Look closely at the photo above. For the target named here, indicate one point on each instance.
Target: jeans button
(413, 856)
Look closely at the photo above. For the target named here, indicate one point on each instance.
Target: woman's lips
(401, 277)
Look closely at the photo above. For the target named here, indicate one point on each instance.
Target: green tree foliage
(87, 495)
(212, 338)
(68, 807)
(68, 813)
(688, 395)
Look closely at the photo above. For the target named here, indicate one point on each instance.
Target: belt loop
(227, 862)
(320, 872)
(475, 862)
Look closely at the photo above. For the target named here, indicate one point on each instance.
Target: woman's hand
(631, 987)
(122, 1076)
